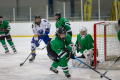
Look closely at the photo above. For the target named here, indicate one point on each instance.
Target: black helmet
(119, 21)
(61, 30)
(37, 16)
(57, 14)
(1, 16)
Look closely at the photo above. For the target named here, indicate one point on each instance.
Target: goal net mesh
(107, 44)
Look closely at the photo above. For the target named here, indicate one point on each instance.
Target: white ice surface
(39, 70)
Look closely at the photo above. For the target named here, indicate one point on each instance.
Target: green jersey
(63, 22)
(119, 35)
(4, 26)
(58, 45)
(84, 44)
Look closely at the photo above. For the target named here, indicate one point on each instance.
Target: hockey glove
(36, 43)
(67, 50)
(6, 32)
(72, 56)
(40, 32)
(47, 31)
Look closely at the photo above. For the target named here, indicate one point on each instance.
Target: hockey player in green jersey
(84, 45)
(119, 30)
(62, 22)
(5, 33)
(60, 48)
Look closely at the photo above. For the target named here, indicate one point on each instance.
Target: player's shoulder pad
(4, 21)
(53, 40)
(78, 35)
(63, 19)
(44, 20)
(89, 35)
(68, 36)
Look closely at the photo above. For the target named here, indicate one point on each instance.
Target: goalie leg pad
(88, 55)
(76, 63)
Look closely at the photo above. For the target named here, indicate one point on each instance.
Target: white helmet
(83, 29)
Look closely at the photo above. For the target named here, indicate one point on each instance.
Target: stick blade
(39, 48)
(21, 64)
(95, 77)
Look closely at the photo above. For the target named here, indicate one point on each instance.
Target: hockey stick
(92, 68)
(110, 67)
(30, 53)
(41, 48)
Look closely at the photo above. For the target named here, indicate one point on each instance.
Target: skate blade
(69, 77)
(31, 61)
(7, 53)
(53, 71)
(15, 52)
(95, 77)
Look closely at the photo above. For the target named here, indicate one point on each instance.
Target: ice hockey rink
(39, 70)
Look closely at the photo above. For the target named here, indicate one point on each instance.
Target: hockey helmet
(57, 14)
(61, 30)
(1, 16)
(37, 16)
(83, 29)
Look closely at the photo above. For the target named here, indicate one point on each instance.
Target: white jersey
(43, 25)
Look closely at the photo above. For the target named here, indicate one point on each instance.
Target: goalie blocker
(86, 57)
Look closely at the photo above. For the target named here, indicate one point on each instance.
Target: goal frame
(95, 43)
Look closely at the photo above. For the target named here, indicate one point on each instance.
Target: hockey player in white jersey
(41, 29)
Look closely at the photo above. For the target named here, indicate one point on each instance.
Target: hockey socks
(4, 44)
(11, 44)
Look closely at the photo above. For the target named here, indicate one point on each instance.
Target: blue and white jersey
(36, 28)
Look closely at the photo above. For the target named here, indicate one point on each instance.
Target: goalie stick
(110, 66)
(92, 68)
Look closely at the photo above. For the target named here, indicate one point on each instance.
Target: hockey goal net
(106, 43)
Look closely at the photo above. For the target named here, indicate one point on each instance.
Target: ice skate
(7, 52)
(32, 58)
(67, 75)
(54, 70)
(15, 51)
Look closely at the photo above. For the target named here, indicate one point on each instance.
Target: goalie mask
(83, 32)
(61, 33)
